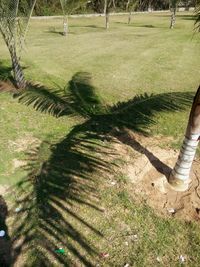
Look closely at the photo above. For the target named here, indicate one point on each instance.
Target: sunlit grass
(144, 57)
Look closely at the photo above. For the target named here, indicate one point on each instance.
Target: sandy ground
(148, 169)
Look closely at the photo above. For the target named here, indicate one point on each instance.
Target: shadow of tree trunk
(156, 162)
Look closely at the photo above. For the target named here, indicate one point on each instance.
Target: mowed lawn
(145, 57)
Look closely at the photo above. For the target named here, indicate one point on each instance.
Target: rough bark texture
(180, 176)
(106, 12)
(17, 69)
(173, 18)
(65, 26)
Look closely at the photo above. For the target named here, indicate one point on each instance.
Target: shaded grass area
(65, 195)
(5, 244)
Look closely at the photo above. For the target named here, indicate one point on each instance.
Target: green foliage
(69, 6)
(47, 7)
(14, 20)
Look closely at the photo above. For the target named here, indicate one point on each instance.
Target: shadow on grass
(59, 32)
(132, 24)
(49, 199)
(5, 72)
(94, 26)
(5, 244)
(186, 17)
(7, 82)
(87, 26)
(64, 177)
(54, 31)
(156, 163)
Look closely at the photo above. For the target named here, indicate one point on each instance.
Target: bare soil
(7, 86)
(148, 167)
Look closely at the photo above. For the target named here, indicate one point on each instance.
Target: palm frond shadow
(49, 199)
(138, 113)
(78, 98)
(5, 72)
(56, 187)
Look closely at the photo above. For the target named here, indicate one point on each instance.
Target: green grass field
(64, 190)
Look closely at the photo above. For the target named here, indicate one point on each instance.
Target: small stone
(113, 183)
(104, 255)
(182, 259)
(171, 210)
(126, 265)
(126, 243)
(158, 259)
(2, 233)
(135, 237)
(18, 209)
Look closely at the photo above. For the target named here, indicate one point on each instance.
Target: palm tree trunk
(17, 69)
(173, 18)
(180, 175)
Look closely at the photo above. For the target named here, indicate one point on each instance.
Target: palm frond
(197, 22)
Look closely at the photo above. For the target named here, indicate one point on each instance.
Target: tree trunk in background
(107, 20)
(179, 177)
(17, 69)
(128, 10)
(65, 26)
(105, 6)
(173, 18)
(106, 12)
(150, 7)
(114, 4)
(129, 17)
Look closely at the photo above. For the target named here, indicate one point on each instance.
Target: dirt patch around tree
(7, 86)
(148, 167)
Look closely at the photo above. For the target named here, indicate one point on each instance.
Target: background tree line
(53, 7)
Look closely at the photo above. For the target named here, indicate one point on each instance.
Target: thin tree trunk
(107, 20)
(150, 7)
(105, 6)
(106, 12)
(173, 18)
(65, 26)
(114, 4)
(17, 70)
(129, 17)
(180, 175)
(128, 10)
